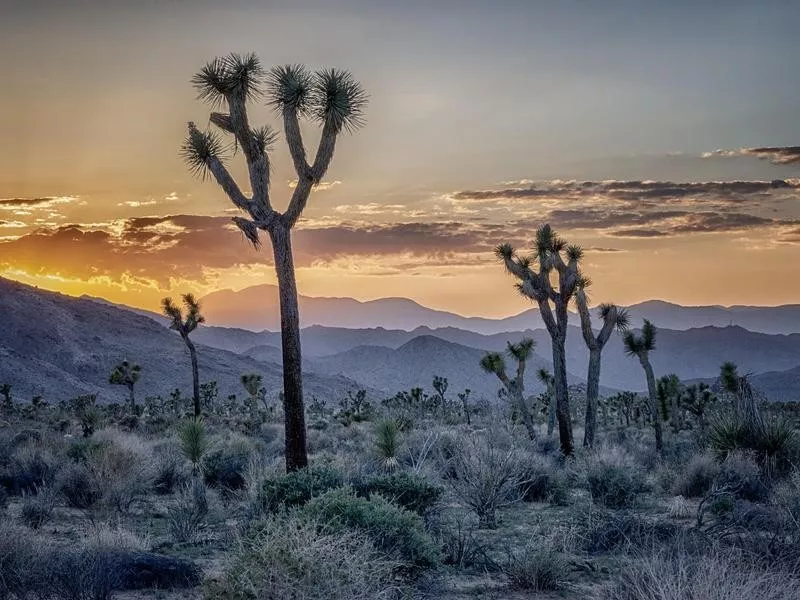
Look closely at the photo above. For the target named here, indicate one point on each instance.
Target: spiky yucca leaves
(635, 345)
(746, 404)
(194, 441)
(387, 442)
(199, 148)
(493, 363)
(185, 324)
(290, 87)
(551, 256)
(251, 383)
(126, 374)
(235, 74)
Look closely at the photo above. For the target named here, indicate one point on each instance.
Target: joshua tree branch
(227, 183)
(608, 326)
(327, 145)
(257, 163)
(294, 139)
(586, 320)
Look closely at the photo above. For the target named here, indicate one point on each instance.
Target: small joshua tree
(330, 97)
(613, 317)
(534, 275)
(465, 405)
(739, 387)
(126, 374)
(546, 378)
(494, 362)
(185, 325)
(641, 346)
(440, 385)
(696, 399)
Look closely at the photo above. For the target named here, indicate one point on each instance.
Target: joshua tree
(696, 398)
(535, 283)
(613, 317)
(494, 362)
(185, 326)
(465, 406)
(126, 374)
(668, 390)
(546, 377)
(739, 386)
(252, 385)
(440, 385)
(336, 101)
(641, 346)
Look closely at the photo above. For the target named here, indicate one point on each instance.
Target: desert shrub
(29, 469)
(394, 530)
(786, 496)
(740, 474)
(124, 468)
(410, 491)
(37, 509)
(678, 576)
(290, 558)
(697, 478)
(459, 546)
(609, 531)
(536, 569)
(613, 485)
(82, 449)
(187, 517)
(79, 486)
(298, 487)
(542, 481)
(225, 464)
(169, 474)
(486, 474)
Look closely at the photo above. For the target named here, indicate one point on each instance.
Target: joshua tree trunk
(524, 413)
(563, 413)
(592, 393)
(294, 411)
(195, 376)
(651, 392)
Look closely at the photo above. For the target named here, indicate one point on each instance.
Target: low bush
(187, 517)
(79, 486)
(297, 488)
(697, 478)
(605, 532)
(170, 473)
(741, 474)
(542, 481)
(28, 469)
(225, 464)
(678, 576)
(410, 491)
(394, 530)
(613, 485)
(289, 558)
(537, 570)
(37, 509)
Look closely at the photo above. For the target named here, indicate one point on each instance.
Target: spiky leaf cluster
(198, 148)
(233, 75)
(180, 323)
(522, 350)
(636, 345)
(125, 374)
(493, 362)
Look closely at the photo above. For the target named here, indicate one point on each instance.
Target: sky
(660, 136)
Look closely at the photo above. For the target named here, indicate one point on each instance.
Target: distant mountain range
(59, 346)
(256, 308)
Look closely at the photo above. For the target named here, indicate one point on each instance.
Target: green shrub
(387, 442)
(170, 473)
(38, 509)
(408, 490)
(291, 559)
(29, 469)
(83, 448)
(193, 440)
(224, 466)
(697, 478)
(775, 447)
(613, 486)
(298, 487)
(187, 517)
(394, 530)
(542, 481)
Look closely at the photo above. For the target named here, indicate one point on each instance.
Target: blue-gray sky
(465, 96)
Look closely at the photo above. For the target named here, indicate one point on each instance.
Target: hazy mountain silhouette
(58, 347)
(256, 308)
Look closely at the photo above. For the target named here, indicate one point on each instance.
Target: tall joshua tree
(330, 97)
(534, 273)
(186, 325)
(126, 374)
(546, 378)
(494, 362)
(612, 317)
(641, 346)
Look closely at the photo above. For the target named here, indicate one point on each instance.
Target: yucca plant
(551, 255)
(127, 374)
(387, 442)
(194, 442)
(330, 97)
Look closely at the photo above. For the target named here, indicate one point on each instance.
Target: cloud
(320, 187)
(779, 155)
(638, 233)
(42, 202)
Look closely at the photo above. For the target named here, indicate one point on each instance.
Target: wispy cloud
(779, 155)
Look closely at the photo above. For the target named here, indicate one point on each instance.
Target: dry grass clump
(290, 558)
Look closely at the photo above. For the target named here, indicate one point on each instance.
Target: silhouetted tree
(612, 317)
(696, 398)
(534, 274)
(126, 374)
(330, 97)
(440, 385)
(465, 406)
(185, 325)
(668, 391)
(494, 362)
(641, 346)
